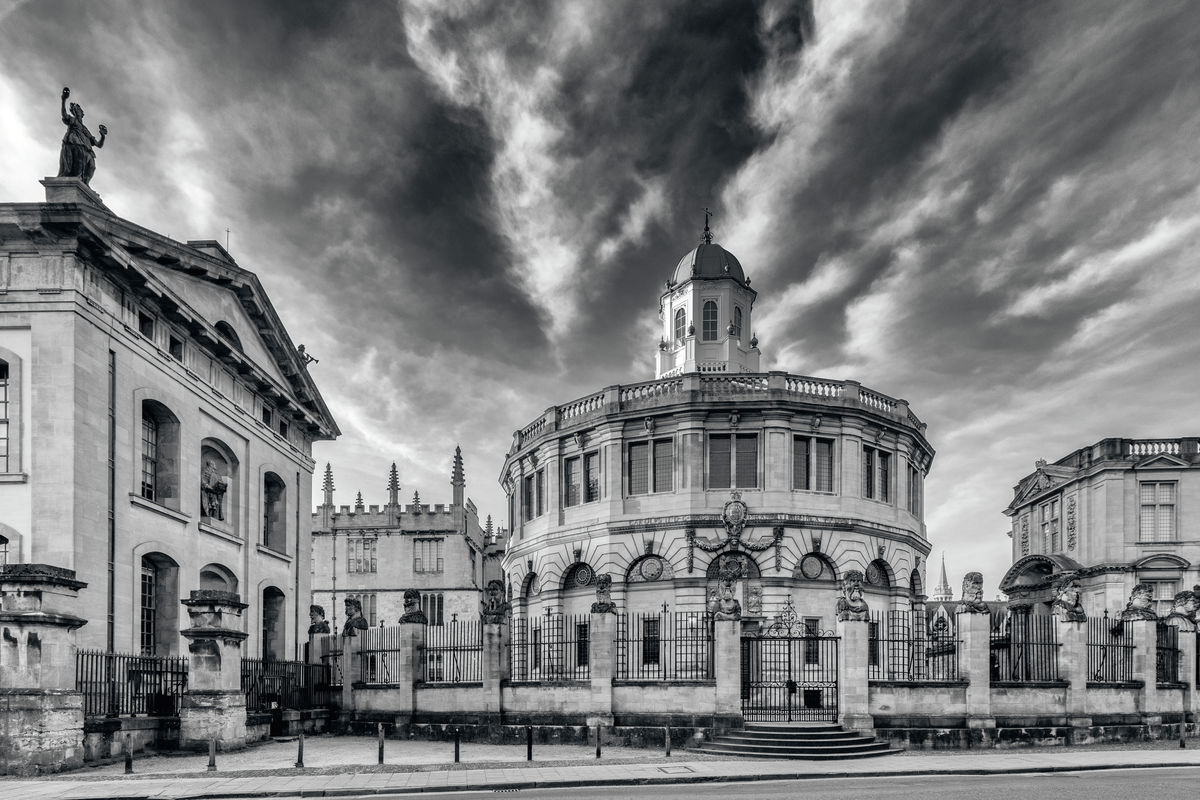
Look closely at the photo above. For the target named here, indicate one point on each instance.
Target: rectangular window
(733, 461)
(367, 601)
(1049, 520)
(812, 464)
(360, 555)
(266, 416)
(650, 642)
(1157, 519)
(583, 635)
(745, 461)
(527, 497)
(876, 474)
(812, 645)
(149, 457)
(283, 429)
(914, 490)
(720, 471)
(539, 486)
(175, 348)
(427, 555)
(572, 481)
(434, 606)
(591, 477)
(664, 465)
(149, 619)
(639, 467)
(146, 325)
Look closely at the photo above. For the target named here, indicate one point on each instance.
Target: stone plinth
(602, 635)
(213, 707)
(41, 713)
(853, 664)
(1073, 663)
(975, 667)
(727, 666)
(71, 190)
(495, 667)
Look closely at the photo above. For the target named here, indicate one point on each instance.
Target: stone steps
(812, 742)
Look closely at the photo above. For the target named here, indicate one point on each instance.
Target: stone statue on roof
(77, 159)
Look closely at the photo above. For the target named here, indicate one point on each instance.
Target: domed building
(788, 482)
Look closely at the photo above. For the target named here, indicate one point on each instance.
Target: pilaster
(853, 707)
(602, 634)
(974, 666)
(1073, 664)
(727, 666)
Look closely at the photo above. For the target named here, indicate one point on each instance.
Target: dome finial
(707, 232)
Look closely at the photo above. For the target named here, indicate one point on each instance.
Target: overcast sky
(467, 210)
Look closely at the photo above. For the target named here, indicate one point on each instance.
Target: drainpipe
(112, 500)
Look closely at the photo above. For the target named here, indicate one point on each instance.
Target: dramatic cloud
(467, 210)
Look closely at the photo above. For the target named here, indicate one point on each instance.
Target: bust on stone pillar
(972, 595)
(412, 608)
(1066, 604)
(1141, 603)
(851, 607)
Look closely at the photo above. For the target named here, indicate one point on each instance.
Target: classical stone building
(788, 481)
(1115, 513)
(156, 425)
(374, 553)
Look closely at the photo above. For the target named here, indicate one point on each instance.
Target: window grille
(812, 464)
(639, 467)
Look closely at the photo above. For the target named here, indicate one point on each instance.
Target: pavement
(341, 766)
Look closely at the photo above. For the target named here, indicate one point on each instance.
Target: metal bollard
(212, 755)
(529, 743)
(300, 751)
(128, 756)
(380, 742)
(597, 741)
(457, 740)
(668, 740)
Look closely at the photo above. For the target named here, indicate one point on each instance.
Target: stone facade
(167, 359)
(375, 553)
(1113, 514)
(790, 481)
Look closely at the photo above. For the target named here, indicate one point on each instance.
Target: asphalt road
(1163, 784)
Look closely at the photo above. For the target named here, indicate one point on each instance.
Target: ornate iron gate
(790, 673)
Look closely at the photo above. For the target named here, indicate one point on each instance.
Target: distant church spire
(393, 485)
(943, 593)
(358, 503)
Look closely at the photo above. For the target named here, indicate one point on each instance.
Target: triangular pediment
(217, 303)
(1046, 478)
(1161, 461)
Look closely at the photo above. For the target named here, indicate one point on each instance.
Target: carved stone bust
(493, 608)
(604, 603)
(972, 595)
(1185, 605)
(725, 605)
(851, 607)
(1141, 603)
(1066, 604)
(412, 608)
(355, 621)
(318, 623)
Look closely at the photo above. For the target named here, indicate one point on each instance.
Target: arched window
(226, 330)
(216, 576)
(680, 324)
(218, 485)
(158, 605)
(160, 455)
(710, 321)
(3, 550)
(737, 322)
(274, 512)
(274, 623)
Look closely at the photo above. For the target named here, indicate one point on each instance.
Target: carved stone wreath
(583, 575)
(651, 569)
(1024, 536)
(874, 574)
(1071, 522)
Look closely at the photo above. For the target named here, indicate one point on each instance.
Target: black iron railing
(665, 646)
(454, 652)
(1110, 650)
(551, 647)
(331, 655)
(119, 684)
(1025, 649)
(270, 684)
(901, 648)
(1166, 653)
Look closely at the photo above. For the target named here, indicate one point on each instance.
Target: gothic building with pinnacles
(374, 553)
(785, 482)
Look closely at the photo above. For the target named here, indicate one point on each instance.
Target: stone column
(974, 665)
(495, 669)
(853, 695)
(1187, 669)
(727, 666)
(213, 707)
(351, 669)
(41, 711)
(602, 635)
(1073, 663)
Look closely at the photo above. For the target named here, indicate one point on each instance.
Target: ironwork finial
(707, 231)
